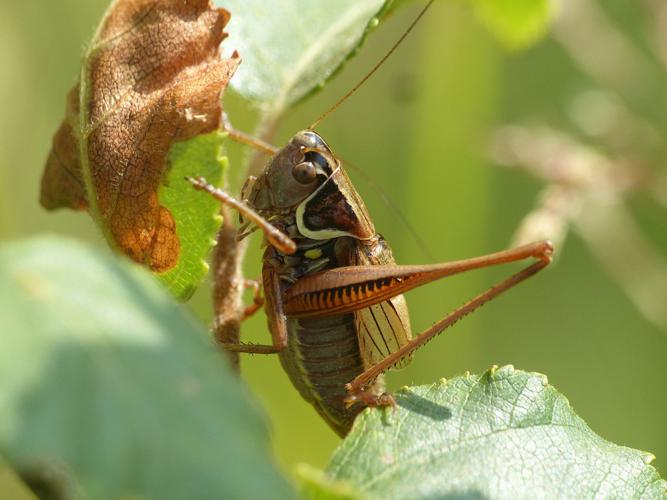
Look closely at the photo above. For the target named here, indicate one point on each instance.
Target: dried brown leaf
(153, 75)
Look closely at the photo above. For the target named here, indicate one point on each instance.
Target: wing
(383, 328)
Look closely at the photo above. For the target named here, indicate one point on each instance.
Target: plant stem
(227, 260)
(227, 290)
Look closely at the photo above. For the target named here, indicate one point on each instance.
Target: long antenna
(375, 68)
(393, 207)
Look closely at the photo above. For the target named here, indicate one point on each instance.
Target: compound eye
(304, 172)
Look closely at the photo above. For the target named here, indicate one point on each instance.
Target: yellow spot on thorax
(313, 253)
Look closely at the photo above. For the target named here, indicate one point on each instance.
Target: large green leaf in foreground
(104, 379)
(503, 434)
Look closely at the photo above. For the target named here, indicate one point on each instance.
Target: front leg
(273, 303)
(276, 238)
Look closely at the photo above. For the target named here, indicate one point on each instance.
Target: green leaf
(503, 434)
(516, 23)
(292, 47)
(103, 377)
(196, 214)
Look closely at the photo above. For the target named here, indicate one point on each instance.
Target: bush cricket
(333, 292)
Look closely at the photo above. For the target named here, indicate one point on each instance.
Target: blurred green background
(421, 130)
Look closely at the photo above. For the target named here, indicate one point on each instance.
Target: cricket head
(305, 180)
(294, 173)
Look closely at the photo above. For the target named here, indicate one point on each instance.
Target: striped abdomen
(321, 357)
